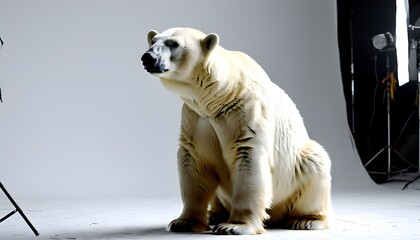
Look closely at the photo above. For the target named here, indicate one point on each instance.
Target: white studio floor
(385, 213)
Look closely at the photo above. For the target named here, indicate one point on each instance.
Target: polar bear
(245, 160)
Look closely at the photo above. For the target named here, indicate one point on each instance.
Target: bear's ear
(150, 36)
(210, 42)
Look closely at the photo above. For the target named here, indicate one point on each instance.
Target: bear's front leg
(252, 192)
(197, 188)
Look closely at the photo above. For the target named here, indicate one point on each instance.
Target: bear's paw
(307, 224)
(236, 229)
(182, 225)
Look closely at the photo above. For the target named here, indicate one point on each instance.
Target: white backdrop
(82, 118)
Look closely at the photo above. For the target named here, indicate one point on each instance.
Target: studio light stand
(17, 208)
(384, 43)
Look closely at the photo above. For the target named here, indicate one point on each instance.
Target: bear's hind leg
(311, 206)
(310, 210)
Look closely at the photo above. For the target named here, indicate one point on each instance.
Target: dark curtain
(358, 22)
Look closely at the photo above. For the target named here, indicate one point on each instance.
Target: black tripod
(17, 209)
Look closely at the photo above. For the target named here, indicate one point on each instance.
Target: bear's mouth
(155, 70)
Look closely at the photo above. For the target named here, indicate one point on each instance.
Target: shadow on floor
(140, 232)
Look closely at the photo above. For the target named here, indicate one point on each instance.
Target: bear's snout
(151, 62)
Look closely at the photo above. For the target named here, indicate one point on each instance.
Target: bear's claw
(235, 229)
(181, 225)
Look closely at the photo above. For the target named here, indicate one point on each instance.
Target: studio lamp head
(383, 41)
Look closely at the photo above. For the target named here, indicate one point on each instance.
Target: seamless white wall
(82, 118)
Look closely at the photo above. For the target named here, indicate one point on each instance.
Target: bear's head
(177, 52)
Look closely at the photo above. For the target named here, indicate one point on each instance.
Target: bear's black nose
(149, 59)
(152, 62)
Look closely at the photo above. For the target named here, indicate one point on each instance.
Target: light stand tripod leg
(373, 158)
(8, 215)
(17, 209)
(410, 182)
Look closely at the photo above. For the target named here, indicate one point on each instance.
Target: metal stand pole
(389, 147)
(388, 112)
(352, 77)
(17, 209)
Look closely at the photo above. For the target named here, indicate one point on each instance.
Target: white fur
(243, 143)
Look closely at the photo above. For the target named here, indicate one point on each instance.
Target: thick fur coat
(245, 160)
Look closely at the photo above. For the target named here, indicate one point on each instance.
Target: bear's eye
(171, 43)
